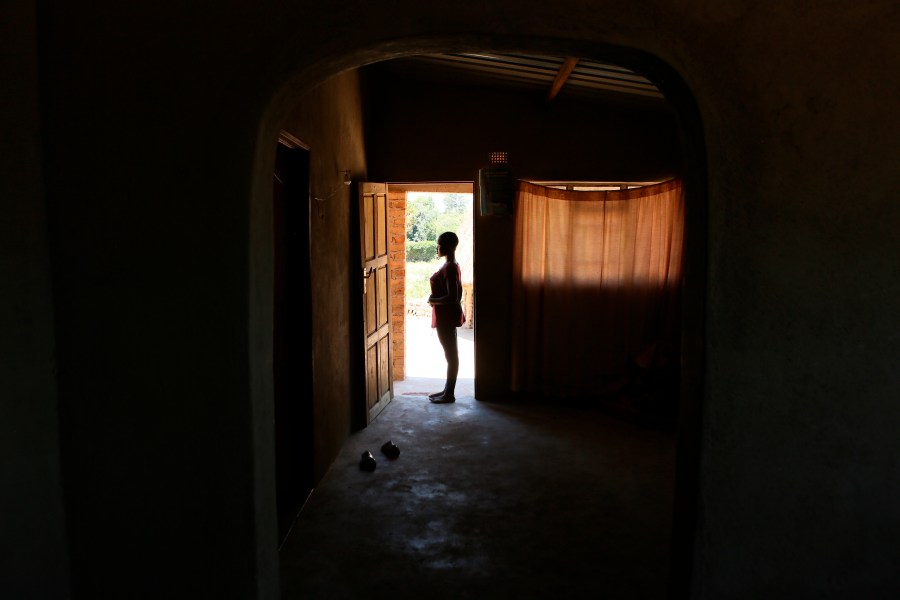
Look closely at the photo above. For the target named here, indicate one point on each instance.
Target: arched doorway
(694, 175)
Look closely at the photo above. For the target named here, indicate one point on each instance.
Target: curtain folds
(596, 288)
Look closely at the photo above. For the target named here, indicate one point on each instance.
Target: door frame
(292, 368)
(437, 187)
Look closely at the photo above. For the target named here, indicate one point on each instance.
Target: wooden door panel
(373, 207)
(383, 294)
(372, 394)
(381, 226)
(371, 300)
(367, 220)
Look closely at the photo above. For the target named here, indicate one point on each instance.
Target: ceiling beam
(560, 80)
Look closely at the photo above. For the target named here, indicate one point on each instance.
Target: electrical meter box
(496, 191)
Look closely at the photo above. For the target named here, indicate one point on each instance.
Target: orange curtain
(596, 287)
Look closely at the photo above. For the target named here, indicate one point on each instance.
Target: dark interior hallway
(489, 500)
(137, 259)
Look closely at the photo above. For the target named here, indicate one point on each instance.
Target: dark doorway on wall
(292, 350)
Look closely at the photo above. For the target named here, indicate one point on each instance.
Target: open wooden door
(373, 208)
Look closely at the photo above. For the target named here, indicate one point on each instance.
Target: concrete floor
(488, 500)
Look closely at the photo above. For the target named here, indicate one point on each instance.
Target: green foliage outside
(455, 203)
(421, 251)
(417, 276)
(425, 222)
(448, 222)
(421, 217)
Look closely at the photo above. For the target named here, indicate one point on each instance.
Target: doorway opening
(292, 329)
(420, 213)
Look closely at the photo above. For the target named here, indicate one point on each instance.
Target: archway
(693, 154)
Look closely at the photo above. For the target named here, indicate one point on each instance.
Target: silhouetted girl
(446, 311)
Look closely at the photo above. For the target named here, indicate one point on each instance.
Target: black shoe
(443, 399)
(367, 463)
(390, 450)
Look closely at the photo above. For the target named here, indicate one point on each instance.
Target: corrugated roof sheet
(540, 71)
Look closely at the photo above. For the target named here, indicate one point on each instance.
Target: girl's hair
(448, 241)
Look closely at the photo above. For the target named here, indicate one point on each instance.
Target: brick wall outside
(397, 265)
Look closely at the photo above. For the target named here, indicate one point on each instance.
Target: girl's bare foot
(444, 399)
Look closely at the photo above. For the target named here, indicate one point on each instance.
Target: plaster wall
(150, 252)
(33, 553)
(329, 119)
(419, 130)
(157, 133)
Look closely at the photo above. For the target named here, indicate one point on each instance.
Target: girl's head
(447, 243)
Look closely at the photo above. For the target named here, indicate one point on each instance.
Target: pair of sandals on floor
(441, 397)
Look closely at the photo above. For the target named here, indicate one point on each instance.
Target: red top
(448, 314)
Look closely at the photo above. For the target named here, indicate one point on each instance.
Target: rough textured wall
(157, 134)
(800, 450)
(397, 265)
(419, 130)
(33, 554)
(142, 143)
(329, 120)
